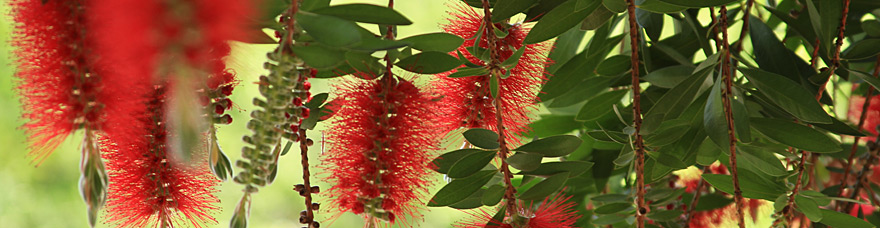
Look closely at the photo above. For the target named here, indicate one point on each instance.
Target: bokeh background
(48, 196)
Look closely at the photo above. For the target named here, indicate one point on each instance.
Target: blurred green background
(48, 196)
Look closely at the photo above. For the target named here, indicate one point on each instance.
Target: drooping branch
(638, 143)
(728, 114)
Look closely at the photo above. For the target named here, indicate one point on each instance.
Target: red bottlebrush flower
(554, 212)
(381, 146)
(466, 101)
(755, 209)
(57, 81)
(872, 119)
(148, 188)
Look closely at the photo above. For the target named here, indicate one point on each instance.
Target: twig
(638, 144)
(689, 212)
(728, 113)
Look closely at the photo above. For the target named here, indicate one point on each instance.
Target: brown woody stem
(638, 144)
(728, 114)
(835, 62)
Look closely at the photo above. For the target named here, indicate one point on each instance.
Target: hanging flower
(554, 212)
(381, 144)
(149, 188)
(467, 102)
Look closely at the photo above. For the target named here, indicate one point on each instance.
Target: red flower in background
(380, 149)
(466, 101)
(872, 118)
(554, 212)
(149, 188)
(717, 217)
(60, 88)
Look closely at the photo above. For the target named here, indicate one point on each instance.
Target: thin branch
(689, 211)
(638, 144)
(873, 152)
(728, 113)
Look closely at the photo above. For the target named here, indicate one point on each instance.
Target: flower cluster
(381, 149)
(467, 102)
(755, 209)
(554, 212)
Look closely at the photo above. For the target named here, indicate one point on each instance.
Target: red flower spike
(57, 81)
(554, 212)
(466, 101)
(381, 148)
(148, 188)
(872, 119)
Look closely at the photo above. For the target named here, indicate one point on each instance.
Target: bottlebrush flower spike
(872, 119)
(466, 101)
(554, 212)
(381, 144)
(148, 188)
(59, 88)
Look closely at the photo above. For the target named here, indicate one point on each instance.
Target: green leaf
(658, 6)
(482, 138)
(469, 72)
(761, 160)
(608, 136)
(871, 27)
(459, 189)
(308, 5)
(365, 63)
(365, 13)
(611, 197)
(525, 161)
(837, 219)
(617, 6)
(548, 125)
(612, 208)
(830, 11)
(511, 62)
(698, 4)
(600, 105)
(493, 85)
(504, 9)
(470, 164)
(712, 201)
(796, 135)
(441, 42)
(319, 57)
(809, 208)
(553, 146)
(614, 65)
(558, 20)
(772, 55)
(714, 120)
(493, 195)
(471, 202)
(862, 49)
(669, 77)
(665, 215)
(429, 62)
(668, 133)
(329, 30)
(752, 186)
(446, 161)
(788, 95)
(874, 82)
(596, 19)
(372, 44)
(545, 188)
(575, 168)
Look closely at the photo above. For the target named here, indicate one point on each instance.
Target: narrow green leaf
(874, 82)
(762, 160)
(470, 164)
(659, 6)
(558, 20)
(862, 49)
(441, 42)
(493, 85)
(617, 6)
(809, 208)
(600, 105)
(712, 201)
(365, 63)
(320, 57)
(511, 62)
(830, 12)
(504, 9)
(459, 189)
(446, 161)
(365, 13)
(698, 4)
(482, 138)
(669, 77)
(611, 197)
(752, 186)
(614, 65)
(308, 5)
(714, 120)
(493, 195)
(665, 215)
(837, 219)
(575, 168)
(597, 18)
(796, 135)
(469, 72)
(429, 62)
(788, 95)
(525, 161)
(545, 188)
(612, 208)
(329, 30)
(553, 146)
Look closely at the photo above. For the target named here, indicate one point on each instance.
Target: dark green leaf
(549, 125)
(319, 57)
(712, 201)
(596, 19)
(511, 62)
(830, 11)
(482, 138)
(493, 195)
(372, 44)
(837, 219)
(612, 208)
(617, 6)
(614, 65)
(658, 6)
(809, 208)
(365, 13)
(788, 95)
(871, 27)
(545, 188)
(772, 55)
(558, 20)
(698, 4)
(665, 215)
(600, 105)
(752, 186)
(470, 164)
(611, 198)
(553, 146)
(740, 117)
(312, 4)
(442, 42)
(874, 82)
(493, 85)
(329, 30)
(429, 62)
(862, 49)
(575, 168)
(459, 189)
(365, 63)
(505, 9)
(525, 161)
(761, 160)
(608, 136)
(446, 161)
(714, 120)
(669, 77)
(469, 72)
(796, 135)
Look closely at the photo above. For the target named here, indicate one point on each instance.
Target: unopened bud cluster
(216, 101)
